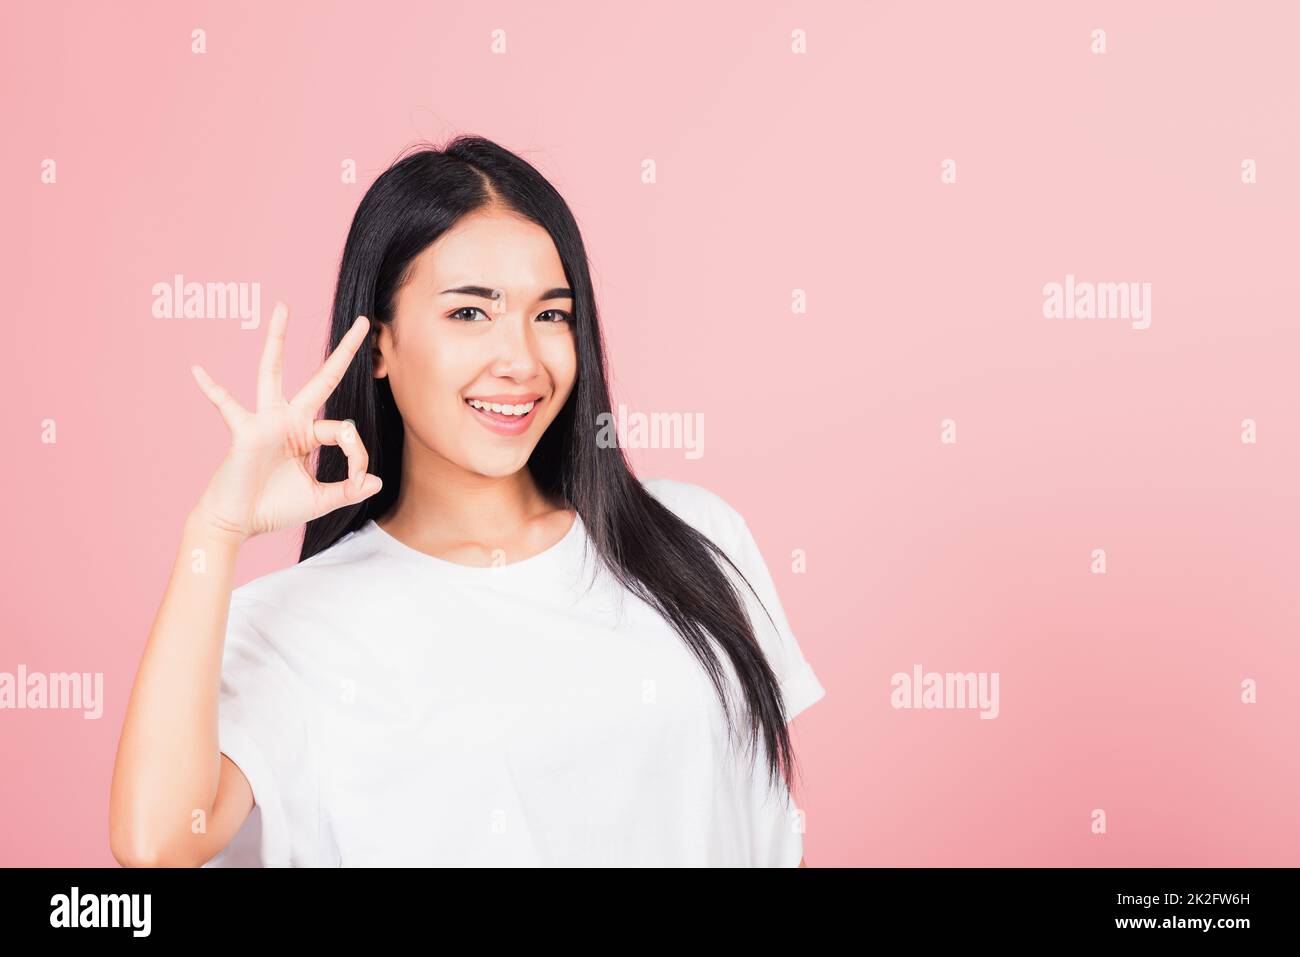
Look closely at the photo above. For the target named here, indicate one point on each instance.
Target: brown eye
(470, 309)
(560, 316)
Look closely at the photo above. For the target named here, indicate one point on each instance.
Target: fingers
(344, 435)
(332, 495)
(270, 373)
(358, 485)
(318, 388)
(230, 410)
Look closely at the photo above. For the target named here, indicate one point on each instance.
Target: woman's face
(485, 316)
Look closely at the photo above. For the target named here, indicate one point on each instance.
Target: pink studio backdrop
(776, 171)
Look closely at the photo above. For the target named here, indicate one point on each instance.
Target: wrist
(202, 524)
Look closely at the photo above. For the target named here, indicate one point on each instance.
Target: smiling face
(486, 316)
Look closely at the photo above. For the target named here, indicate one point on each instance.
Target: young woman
(498, 647)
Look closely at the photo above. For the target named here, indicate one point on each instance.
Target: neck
(440, 500)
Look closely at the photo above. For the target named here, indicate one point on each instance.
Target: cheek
(561, 362)
(431, 373)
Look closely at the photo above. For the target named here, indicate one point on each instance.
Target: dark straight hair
(657, 556)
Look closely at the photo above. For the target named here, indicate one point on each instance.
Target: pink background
(775, 172)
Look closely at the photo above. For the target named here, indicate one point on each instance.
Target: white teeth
(523, 409)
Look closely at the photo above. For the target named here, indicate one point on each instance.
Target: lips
(503, 424)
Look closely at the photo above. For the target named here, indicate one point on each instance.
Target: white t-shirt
(390, 708)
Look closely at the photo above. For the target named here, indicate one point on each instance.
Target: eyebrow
(483, 292)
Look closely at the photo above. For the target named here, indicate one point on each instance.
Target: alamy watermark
(947, 690)
(75, 909)
(651, 430)
(1098, 300)
(57, 691)
(179, 299)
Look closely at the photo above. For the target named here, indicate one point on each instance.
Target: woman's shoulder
(696, 505)
(326, 573)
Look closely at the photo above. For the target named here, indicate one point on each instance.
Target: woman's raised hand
(265, 483)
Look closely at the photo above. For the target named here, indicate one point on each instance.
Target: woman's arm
(175, 800)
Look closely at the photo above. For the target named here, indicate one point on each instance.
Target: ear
(378, 363)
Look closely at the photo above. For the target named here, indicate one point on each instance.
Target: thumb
(332, 495)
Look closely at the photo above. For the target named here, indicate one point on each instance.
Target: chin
(498, 466)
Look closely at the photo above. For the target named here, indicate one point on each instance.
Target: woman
(498, 647)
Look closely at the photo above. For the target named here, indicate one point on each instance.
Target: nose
(515, 346)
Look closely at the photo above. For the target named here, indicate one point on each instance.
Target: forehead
(494, 249)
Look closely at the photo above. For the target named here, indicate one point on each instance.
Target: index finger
(271, 368)
(318, 388)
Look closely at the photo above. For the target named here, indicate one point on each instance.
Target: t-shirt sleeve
(266, 727)
(776, 831)
(799, 685)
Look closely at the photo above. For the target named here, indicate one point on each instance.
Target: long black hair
(654, 554)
